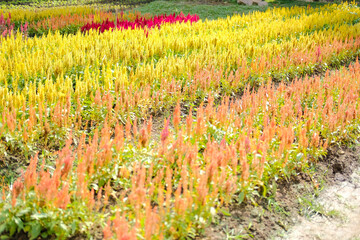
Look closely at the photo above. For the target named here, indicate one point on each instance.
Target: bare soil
(322, 204)
(341, 202)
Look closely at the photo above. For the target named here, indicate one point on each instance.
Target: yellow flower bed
(32, 14)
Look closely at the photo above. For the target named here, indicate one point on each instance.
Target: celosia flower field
(79, 108)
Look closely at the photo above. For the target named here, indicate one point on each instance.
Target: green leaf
(73, 227)
(299, 156)
(38, 216)
(12, 229)
(23, 212)
(44, 235)
(27, 228)
(2, 228)
(19, 223)
(4, 216)
(94, 186)
(64, 227)
(35, 231)
(264, 190)
(241, 197)
(226, 213)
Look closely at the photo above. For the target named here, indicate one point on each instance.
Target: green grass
(209, 11)
(214, 10)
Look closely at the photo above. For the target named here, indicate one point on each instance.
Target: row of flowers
(69, 23)
(140, 22)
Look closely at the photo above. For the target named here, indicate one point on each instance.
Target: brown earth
(341, 204)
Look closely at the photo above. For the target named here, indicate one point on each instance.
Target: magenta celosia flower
(140, 22)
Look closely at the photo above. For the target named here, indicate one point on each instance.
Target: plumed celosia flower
(165, 133)
(16, 190)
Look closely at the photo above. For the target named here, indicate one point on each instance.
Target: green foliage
(29, 218)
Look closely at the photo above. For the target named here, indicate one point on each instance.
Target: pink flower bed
(7, 27)
(140, 22)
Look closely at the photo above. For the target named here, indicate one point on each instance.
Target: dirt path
(341, 202)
